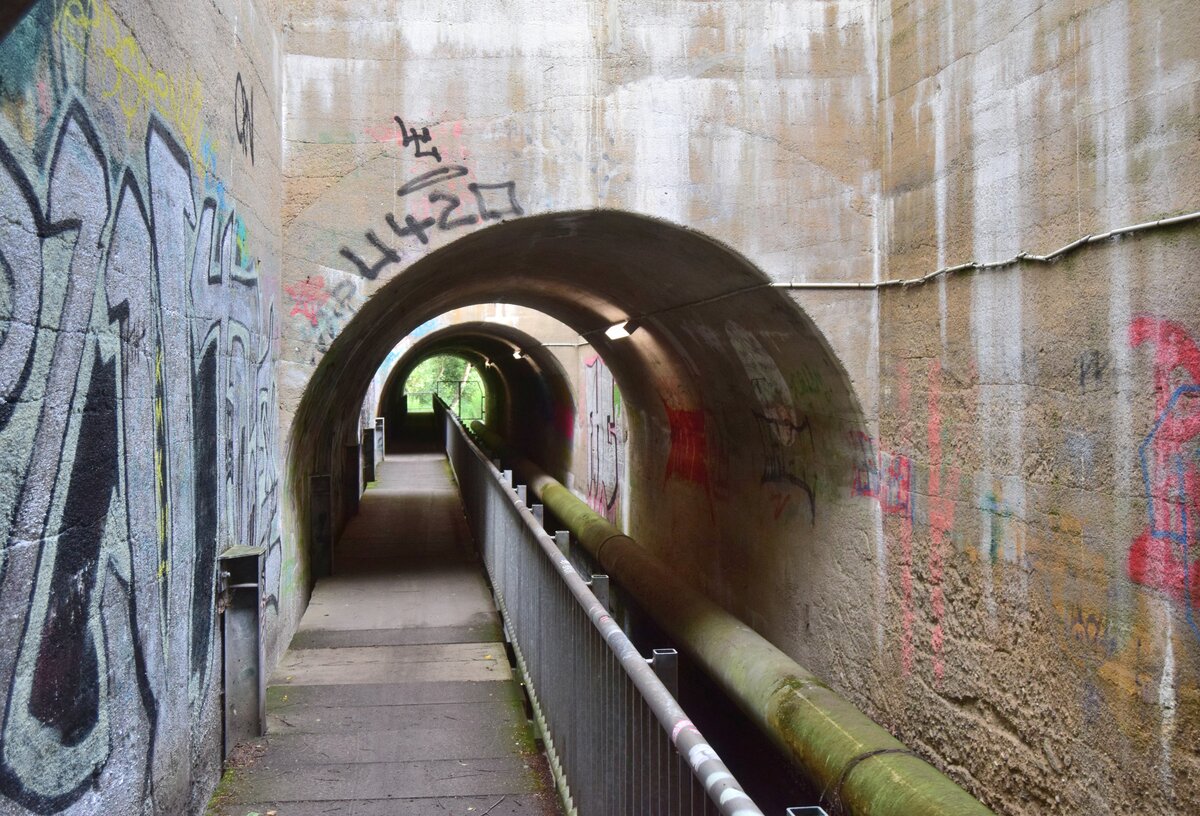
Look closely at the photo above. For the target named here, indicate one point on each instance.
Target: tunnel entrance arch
(529, 399)
(744, 435)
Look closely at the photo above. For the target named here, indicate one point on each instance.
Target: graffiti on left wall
(137, 430)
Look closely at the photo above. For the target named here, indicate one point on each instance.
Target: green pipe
(843, 752)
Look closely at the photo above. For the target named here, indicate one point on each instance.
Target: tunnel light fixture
(619, 331)
(517, 354)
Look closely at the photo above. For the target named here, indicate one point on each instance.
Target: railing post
(599, 587)
(522, 493)
(539, 513)
(562, 540)
(810, 810)
(665, 663)
(508, 477)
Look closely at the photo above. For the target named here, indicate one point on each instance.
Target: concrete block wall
(139, 327)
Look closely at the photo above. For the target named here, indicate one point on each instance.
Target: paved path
(395, 697)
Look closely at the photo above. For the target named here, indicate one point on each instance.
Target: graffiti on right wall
(1162, 556)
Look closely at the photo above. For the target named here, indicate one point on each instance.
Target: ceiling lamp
(618, 331)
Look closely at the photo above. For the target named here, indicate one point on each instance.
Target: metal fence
(618, 742)
(467, 399)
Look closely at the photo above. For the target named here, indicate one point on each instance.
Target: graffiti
(490, 208)
(881, 475)
(781, 427)
(492, 202)
(1090, 367)
(410, 136)
(806, 381)
(93, 29)
(1162, 557)
(137, 385)
(688, 457)
(323, 309)
(606, 438)
(308, 297)
(243, 117)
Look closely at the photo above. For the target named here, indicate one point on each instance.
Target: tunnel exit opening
(453, 380)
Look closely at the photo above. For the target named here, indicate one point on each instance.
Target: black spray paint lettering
(243, 117)
(412, 137)
(492, 201)
(138, 463)
(486, 212)
(432, 177)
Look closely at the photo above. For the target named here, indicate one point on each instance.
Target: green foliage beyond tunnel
(453, 379)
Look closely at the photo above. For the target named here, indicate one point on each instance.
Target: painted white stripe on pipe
(715, 777)
(729, 794)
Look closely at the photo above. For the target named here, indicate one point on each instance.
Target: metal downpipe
(859, 767)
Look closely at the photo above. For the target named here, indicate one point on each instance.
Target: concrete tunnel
(739, 416)
(910, 399)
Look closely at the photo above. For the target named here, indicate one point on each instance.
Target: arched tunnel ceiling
(589, 269)
(730, 424)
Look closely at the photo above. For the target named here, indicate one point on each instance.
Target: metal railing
(618, 742)
(467, 399)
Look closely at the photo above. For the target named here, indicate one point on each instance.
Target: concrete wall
(995, 563)
(139, 315)
(966, 504)
(1041, 592)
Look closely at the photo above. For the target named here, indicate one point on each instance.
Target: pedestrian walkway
(395, 697)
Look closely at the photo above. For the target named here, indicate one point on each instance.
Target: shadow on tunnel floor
(413, 433)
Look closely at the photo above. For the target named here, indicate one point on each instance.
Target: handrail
(709, 775)
(860, 768)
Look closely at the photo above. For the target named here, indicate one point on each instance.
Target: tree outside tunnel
(455, 380)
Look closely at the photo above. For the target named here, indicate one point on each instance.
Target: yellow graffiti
(160, 461)
(129, 78)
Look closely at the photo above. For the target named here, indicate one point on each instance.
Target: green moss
(224, 792)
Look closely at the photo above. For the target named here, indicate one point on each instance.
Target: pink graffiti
(941, 519)
(308, 296)
(881, 475)
(1160, 557)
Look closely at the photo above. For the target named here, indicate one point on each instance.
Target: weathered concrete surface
(997, 546)
(139, 327)
(396, 695)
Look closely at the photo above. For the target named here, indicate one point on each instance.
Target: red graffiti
(1160, 556)
(881, 475)
(688, 459)
(309, 296)
(941, 519)
(780, 500)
